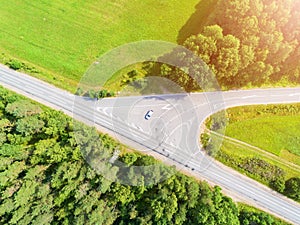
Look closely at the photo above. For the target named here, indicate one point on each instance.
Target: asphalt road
(172, 131)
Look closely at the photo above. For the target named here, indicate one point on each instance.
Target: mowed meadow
(276, 134)
(274, 129)
(62, 38)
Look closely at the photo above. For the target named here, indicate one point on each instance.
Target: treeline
(245, 43)
(268, 33)
(45, 180)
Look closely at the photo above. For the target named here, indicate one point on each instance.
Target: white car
(148, 114)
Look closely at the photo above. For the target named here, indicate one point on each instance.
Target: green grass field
(65, 37)
(277, 134)
(274, 129)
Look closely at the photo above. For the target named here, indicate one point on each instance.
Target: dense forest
(44, 179)
(245, 43)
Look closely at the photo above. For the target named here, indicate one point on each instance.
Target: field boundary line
(252, 148)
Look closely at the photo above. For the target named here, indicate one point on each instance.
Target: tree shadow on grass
(198, 19)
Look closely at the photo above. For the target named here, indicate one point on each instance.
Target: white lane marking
(231, 98)
(100, 109)
(250, 96)
(276, 95)
(172, 144)
(295, 94)
(135, 126)
(167, 107)
(104, 110)
(137, 106)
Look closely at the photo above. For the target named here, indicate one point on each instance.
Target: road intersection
(172, 131)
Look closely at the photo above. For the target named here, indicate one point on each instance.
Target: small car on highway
(148, 114)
